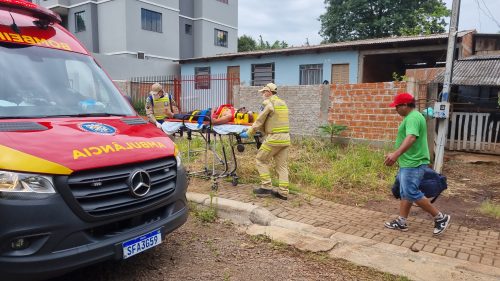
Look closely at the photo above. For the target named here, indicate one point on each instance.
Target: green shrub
(140, 107)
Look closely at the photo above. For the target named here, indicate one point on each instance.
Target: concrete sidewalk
(358, 235)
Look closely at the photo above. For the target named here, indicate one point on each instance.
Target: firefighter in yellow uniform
(273, 121)
(159, 105)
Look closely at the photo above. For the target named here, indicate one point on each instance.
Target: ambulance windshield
(44, 82)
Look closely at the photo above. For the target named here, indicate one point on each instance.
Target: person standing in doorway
(412, 155)
(273, 121)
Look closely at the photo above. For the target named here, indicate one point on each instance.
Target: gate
(191, 92)
(475, 132)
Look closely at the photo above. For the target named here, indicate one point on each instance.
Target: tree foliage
(346, 20)
(247, 43)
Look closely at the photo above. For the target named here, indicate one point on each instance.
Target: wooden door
(233, 78)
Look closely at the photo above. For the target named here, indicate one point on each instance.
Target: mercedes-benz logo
(139, 183)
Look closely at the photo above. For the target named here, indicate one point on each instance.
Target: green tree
(346, 20)
(246, 44)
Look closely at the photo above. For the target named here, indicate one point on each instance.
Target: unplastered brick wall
(364, 108)
(304, 104)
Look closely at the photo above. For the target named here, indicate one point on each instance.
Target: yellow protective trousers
(263, 159)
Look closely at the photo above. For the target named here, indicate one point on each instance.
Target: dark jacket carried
(431, 185)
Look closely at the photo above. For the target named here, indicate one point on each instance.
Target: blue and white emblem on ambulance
(98, 128)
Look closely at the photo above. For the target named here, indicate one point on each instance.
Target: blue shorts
(409, 181)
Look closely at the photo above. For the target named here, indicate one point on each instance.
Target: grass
(491, 209)
(319, 168)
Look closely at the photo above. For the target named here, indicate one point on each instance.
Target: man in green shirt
(412, 155)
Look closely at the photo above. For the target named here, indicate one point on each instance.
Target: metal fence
(191, 92)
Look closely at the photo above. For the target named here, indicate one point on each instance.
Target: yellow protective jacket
(273, 121)
(156, 107)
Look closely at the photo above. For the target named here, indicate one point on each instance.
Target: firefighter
(273, 121)
(159, 105)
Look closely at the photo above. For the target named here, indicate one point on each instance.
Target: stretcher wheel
(234, 182)
(240, 148)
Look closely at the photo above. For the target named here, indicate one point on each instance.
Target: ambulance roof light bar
(33, 9)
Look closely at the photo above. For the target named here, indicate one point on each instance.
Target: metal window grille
(151, 20)
(80, 21)
(311, 74)
(220, 38)
(262, 74)
(202, 78)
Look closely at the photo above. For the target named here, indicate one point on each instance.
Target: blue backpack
(431, 185)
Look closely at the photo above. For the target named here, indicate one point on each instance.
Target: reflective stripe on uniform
(279, 142)
(265, 176)
(281, 130)
(265, 147)
(283, 184)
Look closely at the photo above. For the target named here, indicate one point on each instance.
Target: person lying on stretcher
(224, 114)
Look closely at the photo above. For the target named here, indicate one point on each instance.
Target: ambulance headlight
(25, 186)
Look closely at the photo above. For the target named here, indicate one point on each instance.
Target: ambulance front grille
(107, 191)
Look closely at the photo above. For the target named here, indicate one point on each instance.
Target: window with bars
(202, 78)
(340, 74)
(220, 38)
(262, 74)
(311, 74)
(151, 20)
(80, 21)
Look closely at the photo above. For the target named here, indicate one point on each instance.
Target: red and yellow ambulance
(83, 178)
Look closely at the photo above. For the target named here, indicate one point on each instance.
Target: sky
(296, 21)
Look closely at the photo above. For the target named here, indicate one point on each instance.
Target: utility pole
(443, 106)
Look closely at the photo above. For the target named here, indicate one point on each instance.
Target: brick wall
(308, 105)
(364, 108)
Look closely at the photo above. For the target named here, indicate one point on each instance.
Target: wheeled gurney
(220, 141)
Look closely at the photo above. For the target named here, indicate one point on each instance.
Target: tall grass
(490, 209)
(323, 169)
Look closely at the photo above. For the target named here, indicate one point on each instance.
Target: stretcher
(220, 141)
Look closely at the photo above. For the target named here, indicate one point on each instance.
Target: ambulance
(83, 178)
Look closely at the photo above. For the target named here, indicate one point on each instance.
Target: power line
(489, 14)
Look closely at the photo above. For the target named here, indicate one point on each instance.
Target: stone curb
(362, 251)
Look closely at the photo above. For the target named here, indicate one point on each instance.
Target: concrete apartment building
(148, 37)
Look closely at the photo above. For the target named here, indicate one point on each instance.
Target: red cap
(402, 98)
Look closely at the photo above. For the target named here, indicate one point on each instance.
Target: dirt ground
(221, 251)
(472, 179)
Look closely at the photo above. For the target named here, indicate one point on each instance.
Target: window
(151, 20)
(223, 1)
(220, 38)
(340, 74)
(262, 74)
(188, 29)
(79, 21)
(311, 74)
(202, 78)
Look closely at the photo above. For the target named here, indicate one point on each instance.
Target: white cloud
(293, 21)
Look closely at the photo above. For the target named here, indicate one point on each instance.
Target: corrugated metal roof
(475, 71)
(367, 43)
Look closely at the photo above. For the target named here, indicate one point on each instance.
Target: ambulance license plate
(141, 243)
